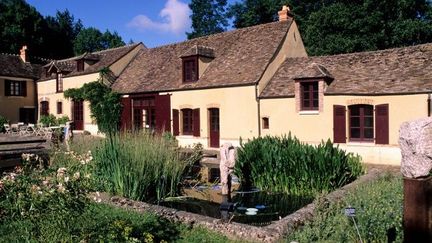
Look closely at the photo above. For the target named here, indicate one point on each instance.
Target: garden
(51, 200)
(58, 199)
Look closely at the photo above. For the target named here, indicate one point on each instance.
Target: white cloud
(175, 19)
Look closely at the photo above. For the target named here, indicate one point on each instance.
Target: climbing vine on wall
(105, 104)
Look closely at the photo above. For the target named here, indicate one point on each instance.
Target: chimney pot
(23, 53)
(285, 13)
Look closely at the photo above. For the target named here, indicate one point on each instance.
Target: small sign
(350, 212)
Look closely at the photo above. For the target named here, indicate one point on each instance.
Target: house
(18, 87)
(259, 81)
(358, 100)
(60, 75)
(207, 89)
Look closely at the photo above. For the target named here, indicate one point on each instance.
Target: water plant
(284, 164)
(140, 166)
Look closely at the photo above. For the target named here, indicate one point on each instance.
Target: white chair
(7, 128)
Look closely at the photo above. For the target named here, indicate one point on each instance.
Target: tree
(367, 25)
(91, 39)
(60, 33)
(208, 17)
(20, 24)
(254, 12)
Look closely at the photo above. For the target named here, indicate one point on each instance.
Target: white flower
(60, 188)
(87, 176)
(76, 176)
(66, 179)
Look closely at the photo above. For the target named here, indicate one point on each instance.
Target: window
(15, 88)
(187, 118)
(44, 108)
(265, 123)
(361, 122)
(59, 83)
(59, 107)
(309, 95)
(190, 69)
(80, 65)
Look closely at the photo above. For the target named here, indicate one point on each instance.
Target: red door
(214, 127)
(78, 114)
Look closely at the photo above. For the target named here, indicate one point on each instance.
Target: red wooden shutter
(176, 130)
(196, 122)
(382, 124)
(126, 114)
(23, 88)
(7, 87)
(163, 113)
(339, 124)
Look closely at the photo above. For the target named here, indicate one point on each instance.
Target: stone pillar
(416, 147)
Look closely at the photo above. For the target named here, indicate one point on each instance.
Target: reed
(140, 166)
(284, 164)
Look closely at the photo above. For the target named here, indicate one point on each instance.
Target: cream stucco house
(259, 81)
(207, 89)
(18, 87)
(60, 75)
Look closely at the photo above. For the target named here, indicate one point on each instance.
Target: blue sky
(153, 22)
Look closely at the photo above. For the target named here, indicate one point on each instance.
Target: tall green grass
(284, 164)
(140, 166)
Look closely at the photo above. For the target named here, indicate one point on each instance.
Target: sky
(153, 22)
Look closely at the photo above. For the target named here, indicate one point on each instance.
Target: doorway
(78, 114)
(214, 133)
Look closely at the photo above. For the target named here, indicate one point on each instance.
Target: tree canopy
(342, 26)
(208, 17)
(53, 37)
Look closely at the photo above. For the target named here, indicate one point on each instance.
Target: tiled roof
(314, 70)
(200, 51)
(391, 71)
(13, 66)
(241, 56)
(105, 58)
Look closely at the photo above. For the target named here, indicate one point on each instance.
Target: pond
(258, 208)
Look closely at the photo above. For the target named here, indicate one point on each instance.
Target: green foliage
(378, 209)
(50, 36)
(91, 39)
(367, 25)
(208, 17)
(105, 104)
(140, 166)
(341, 26)
(51, 120)
(284, 164)
(3, 121)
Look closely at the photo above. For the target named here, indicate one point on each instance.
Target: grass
(378, 209)
(140, 166)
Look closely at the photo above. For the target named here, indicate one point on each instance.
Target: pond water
(257, 208)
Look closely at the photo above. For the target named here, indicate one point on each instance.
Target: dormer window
(190, 69)
(195, 61)
(80, 65)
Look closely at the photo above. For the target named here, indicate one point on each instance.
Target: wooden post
(417, 219)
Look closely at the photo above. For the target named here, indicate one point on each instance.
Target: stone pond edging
(233, 230)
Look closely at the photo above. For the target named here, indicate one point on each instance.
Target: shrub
(52, 120)
(140, 166)
(3, 121)
(378, 209)
(284, 164)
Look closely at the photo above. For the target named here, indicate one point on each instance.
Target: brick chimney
(285, 14)
(23, 54)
